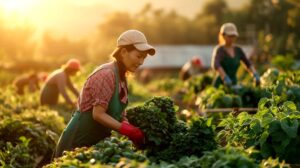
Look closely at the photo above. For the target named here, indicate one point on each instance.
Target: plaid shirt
(99, 89)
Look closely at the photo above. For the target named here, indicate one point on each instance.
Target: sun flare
(16, 6)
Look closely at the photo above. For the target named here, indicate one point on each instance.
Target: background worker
(31, 81)
(192, 67)
(227, 56)
(57, 83)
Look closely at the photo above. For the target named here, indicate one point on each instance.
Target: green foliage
(274, 163)
(273, 129)
(198, 83)
(156, 118)
(190, 142)
(227, 157)
(217, 98)
(283, 62)
(167, 138)
(22, 116)
(17, 155)
(110, 151)
(42, 140)
(269, 77)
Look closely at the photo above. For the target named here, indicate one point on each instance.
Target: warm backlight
(16, 6)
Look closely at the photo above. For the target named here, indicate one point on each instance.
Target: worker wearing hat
(191, 68)
(104, 97)
(227, 56)
(57, 82)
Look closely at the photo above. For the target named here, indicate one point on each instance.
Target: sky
(78, 18)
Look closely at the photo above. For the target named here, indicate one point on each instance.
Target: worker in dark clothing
(227, 56)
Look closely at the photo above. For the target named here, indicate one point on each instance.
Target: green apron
(83, 130)
(230, 66)
(49, 94)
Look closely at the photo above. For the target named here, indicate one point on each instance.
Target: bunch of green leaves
(17, 155)
(273, 129)
(227, 157)
(167, 138)
(156, 117)
(106, 152)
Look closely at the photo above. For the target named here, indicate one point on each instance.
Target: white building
(174, 56)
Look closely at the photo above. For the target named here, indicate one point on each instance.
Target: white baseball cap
(137, 39)
(229, 29)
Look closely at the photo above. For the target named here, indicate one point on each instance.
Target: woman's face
(133, 59)
(229, 39)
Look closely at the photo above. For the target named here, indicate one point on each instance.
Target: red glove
(133, 133)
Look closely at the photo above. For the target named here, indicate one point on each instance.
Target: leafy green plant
(283, 62)
(273, 129)
(217, 98)
(107, 152)
(42, 142)
(190, 142)
(227, 157)
(16, 155)
(166, 137)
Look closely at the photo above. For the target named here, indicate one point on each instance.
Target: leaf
(262, 102)
(274, 126)
(209, 121)
(290, 126)
(255, 126)
(266, 119)
(290, 106)
(263, 138)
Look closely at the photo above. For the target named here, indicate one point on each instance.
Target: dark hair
(116, 54)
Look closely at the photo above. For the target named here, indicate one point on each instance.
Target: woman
(57, 82)
(104, 97)
(227, 56)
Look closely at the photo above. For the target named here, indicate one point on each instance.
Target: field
(180, 133)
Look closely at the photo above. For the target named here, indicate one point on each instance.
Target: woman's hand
(133, 133)
(227, 81)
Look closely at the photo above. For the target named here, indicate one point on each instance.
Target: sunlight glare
(17, 6)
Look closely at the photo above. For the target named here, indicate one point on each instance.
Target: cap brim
(145, 47)
(233, 33)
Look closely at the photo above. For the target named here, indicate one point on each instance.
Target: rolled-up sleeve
(98, 90)
(216, 58)
(244, 59)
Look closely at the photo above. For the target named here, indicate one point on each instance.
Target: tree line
(272, 25)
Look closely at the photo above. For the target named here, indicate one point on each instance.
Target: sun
(16, 6)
